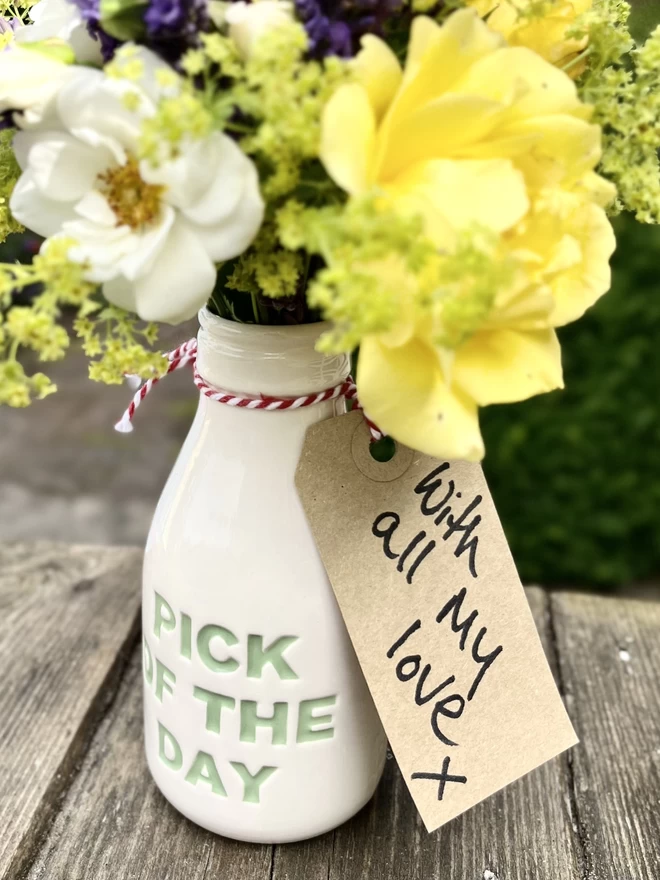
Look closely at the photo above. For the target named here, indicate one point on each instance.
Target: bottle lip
(223, 327)
(263, 359)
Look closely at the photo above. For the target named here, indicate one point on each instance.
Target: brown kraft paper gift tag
(436, 612)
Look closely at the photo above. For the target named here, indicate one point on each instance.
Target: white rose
(29, 81)
(150, 235)
(61, 19)
(248, 22)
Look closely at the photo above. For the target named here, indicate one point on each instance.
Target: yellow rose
(463, 133)
(545, 33)
(473, 132)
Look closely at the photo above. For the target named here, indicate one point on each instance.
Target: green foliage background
(576, 473)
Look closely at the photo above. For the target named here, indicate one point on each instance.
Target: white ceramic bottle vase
(258, 722)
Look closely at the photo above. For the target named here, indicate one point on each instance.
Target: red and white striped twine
(186, 355)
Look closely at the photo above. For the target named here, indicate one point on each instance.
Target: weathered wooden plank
(66, 616)
(524, 831)
(115, 825)
(609, 650)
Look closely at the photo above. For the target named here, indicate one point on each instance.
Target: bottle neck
(255, 359)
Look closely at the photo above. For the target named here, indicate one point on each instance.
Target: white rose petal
(120, 251)
(102, 251)
(176, 288)
(92, 108)
(94, 206)
(63, 168)
(187, 177)
(30, 81)
(34, 210)
(231, 234)
(248, 22)
(150, 248)
(221, 198)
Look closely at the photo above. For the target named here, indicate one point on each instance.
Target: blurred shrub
(576, 473)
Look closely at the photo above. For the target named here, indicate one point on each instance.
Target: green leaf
(123, 19)
(54, 48)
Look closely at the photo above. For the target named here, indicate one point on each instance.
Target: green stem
(317, 184)
(577, 59)
(220, 304)
(255, 308)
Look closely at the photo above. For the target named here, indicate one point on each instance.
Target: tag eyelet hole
(380, 471)
(383, 450)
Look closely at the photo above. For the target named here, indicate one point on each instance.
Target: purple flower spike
(176, 18)
(334, 27)
(173, 26)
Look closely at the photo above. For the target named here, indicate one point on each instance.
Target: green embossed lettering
(204, 770)
(147, 662)
(258, 657)
(165, 680)
(252, 784)
(250, 721)
(186, 636)
(164, 616)
(204, 637)
(165, 739)
(308, 723)
(215, 703)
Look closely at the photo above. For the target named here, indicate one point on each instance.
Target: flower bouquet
(430, 180)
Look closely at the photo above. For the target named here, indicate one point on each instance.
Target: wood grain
(609, 652)
(115, 825)
(67, 615)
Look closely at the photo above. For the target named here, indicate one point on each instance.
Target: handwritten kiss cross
(442, 778)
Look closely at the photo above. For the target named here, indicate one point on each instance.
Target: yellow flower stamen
(134, 202)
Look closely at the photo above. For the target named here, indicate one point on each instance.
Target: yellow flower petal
(589, 278)
(595, 188)
(379, 71)
(538, 88)
(437, 57)
(441, 128)
(523, 307)
(403, 391)
(423, 32)
(348, 136)
(565, 149)
(457, 194)
(506, 365)
(572, 240)
(502, 15)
